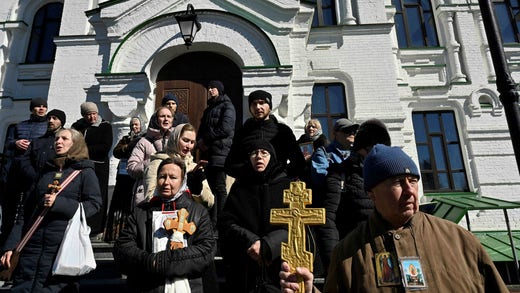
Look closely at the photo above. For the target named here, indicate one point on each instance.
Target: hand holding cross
(297, 216)
(179, 224)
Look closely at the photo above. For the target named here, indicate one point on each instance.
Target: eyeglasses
(259, 153)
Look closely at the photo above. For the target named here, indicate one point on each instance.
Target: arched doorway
(187, 77)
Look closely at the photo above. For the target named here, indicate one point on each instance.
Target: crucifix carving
(296, 216)
(179, 225)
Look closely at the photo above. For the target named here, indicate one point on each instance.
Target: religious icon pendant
(387, 270)
(412, 272)
(58, 175)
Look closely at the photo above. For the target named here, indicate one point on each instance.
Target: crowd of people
(174, 208)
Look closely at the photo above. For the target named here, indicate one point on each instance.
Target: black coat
(98, 137)
(33, 273)
(146, 271)
(217, 128)
(355, 205)
(278, 134)
(244, 220)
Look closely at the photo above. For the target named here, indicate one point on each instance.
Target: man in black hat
(263, 125)
(42, 149)
(214, 137)
(17, 144)
(172, 101)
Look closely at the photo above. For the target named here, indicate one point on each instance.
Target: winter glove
(195, 179)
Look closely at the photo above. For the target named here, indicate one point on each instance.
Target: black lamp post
(505, 83)
(188, 24)
(507, 88)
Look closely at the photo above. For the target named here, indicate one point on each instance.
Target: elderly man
(98, 136)
(400, 248)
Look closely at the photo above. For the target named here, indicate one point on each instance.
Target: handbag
(75, 256)
(6, 273)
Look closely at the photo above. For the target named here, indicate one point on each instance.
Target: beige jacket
(452, 259)
(150, 179)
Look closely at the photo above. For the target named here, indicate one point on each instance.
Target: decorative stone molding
(123, 92)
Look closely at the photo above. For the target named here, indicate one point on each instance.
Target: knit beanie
(384, 162)
(169, 97)
(261, 95)
(37, 102)
(58, 114)
(88, 107)
(218, 85)
(370, 133)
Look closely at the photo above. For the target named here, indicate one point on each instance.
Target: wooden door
(192, 97)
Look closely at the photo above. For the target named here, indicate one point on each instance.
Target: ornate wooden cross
(297, 216)
(181, 225)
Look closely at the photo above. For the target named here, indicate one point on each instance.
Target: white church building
(422, 67)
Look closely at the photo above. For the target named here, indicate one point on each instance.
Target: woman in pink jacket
(154, 141)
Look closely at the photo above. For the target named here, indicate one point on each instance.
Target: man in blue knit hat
(399, 248)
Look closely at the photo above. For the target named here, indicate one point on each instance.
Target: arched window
(46, 26)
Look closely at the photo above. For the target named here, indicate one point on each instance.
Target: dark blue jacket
(30, 129)
(39, 152)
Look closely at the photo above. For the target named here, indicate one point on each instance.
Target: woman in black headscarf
(250, 244)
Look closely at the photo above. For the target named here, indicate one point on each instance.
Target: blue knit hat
(384, 162)
(169, 97)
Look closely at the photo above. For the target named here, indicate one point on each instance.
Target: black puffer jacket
(33, 273)
(146, 271)
(278, 134)
(217, 128)
(355, 205)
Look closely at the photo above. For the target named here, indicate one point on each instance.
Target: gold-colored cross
(296, 216)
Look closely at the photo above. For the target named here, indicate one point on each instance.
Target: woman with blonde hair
(154, 140)
(180, 144)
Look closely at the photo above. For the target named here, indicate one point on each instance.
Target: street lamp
(188, 24)
(506, 86)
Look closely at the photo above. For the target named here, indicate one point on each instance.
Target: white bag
(75, 256)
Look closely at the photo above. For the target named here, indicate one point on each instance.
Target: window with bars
(415, 24)
(45, 26)
(439, 150)
(324, 13)
(508, 19)
(328, 105)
